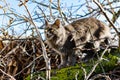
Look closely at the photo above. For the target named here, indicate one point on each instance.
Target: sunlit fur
(75, 35)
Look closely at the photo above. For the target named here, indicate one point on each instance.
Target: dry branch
(28, 65)
(116, 16)
(96, 64)
(47, 60)
(12, 78)
(100, 76)
(102, 9)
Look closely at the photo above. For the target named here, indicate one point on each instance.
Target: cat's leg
(71, 58)
(64, 59)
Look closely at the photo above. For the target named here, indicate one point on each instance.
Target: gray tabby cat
(66, 38)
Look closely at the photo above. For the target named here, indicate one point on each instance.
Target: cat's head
(53, 30)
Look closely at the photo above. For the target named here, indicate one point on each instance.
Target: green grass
(70, 73)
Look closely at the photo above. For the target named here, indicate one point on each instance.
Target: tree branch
(12, 78)
(102, 9)
(47, 60)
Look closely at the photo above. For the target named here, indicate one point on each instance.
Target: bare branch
(102, 9)
(12, 78)
(96, 64)
(47, 60)
(100, 76)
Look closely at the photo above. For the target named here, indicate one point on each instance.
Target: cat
(65, 39)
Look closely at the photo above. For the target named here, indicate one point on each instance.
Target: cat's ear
(57, 23)
(46, 23)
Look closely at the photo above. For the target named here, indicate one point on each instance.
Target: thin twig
(112, 10)
(7, 74)
(85, 73)
(102, 9)
(33, 66)
(60, 11)
(50, 1)
(28, 65)
(76, 75)
(47, 60)
(100, 76)
(94, 67)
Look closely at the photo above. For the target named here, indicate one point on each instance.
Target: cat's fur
(75, 35)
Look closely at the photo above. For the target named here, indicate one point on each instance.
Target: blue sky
(65, 4)
(13, 5)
